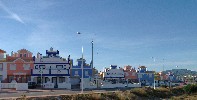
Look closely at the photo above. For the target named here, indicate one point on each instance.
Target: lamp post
(163, 65)
(81, 68)
(41, 69)
(82, 72)
(154, 75)
(92, 53)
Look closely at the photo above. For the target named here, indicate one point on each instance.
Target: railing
(38, 71)
(59, 71)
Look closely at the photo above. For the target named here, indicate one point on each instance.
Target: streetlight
(163, 65)
(92, 53)
(41, 69)
(82, 72)
(154, 75)
(82, 60)
(81, 68)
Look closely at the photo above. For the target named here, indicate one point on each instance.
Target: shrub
(139, 92)
(66, 97)
(190, 88)
(127, 95)
(96, 96)
(162, 93)
(177, 91)
(83, 97)
(164, 86)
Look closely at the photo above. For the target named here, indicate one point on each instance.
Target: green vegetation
(190, 88)
(186, 92)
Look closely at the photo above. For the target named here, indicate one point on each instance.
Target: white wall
(59, 71)
(87, 84)
(64, 85)
(48, 85)
(114, 73)
(8, 85)
(21, 86)
(38, 71)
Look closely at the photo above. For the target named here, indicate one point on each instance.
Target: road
(13, 94)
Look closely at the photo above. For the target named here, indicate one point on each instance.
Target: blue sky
(125, 32)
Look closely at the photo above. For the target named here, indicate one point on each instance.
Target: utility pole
(163, 65)
(82, 72)
(92, 53)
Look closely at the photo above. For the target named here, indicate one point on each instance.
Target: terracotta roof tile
(2, 51)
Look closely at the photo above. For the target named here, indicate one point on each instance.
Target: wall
(79, 71)
(130, 75)
(20, 71)
(114, 73)
(21, 86)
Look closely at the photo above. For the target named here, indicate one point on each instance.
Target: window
(42, 66)
(76, 72)
(139, 75)
(1, 77)
(21, 55)
(59, 66)
(36, 66)
(47, 66)
(12, 66)
(150, 75)
(26, 66)
(47, 79)
(86, 73)
(11, 78)
(1, 67)
(61, 79)
(25, 55)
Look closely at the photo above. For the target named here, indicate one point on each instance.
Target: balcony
(59, 72)
(38, 71)
(49, 72)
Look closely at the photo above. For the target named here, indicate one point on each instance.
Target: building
(19, 66)
(130, 74)
(181, 72)
(114, 74)
(3, 65)
(76, 72)
(51, 70)
(145, 77)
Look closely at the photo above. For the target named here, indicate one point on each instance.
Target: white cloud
(12, 15)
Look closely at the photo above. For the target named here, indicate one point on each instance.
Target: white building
(53, 70)
(113, 74)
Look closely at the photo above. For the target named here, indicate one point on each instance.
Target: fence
(17, 86)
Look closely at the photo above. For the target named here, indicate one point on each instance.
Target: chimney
(38, 55)
(12, 54)
(51, 49)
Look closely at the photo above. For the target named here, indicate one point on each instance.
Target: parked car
(32, 85)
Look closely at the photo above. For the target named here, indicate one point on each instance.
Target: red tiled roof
(2, 51)
(142, 67)
(25, 50)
